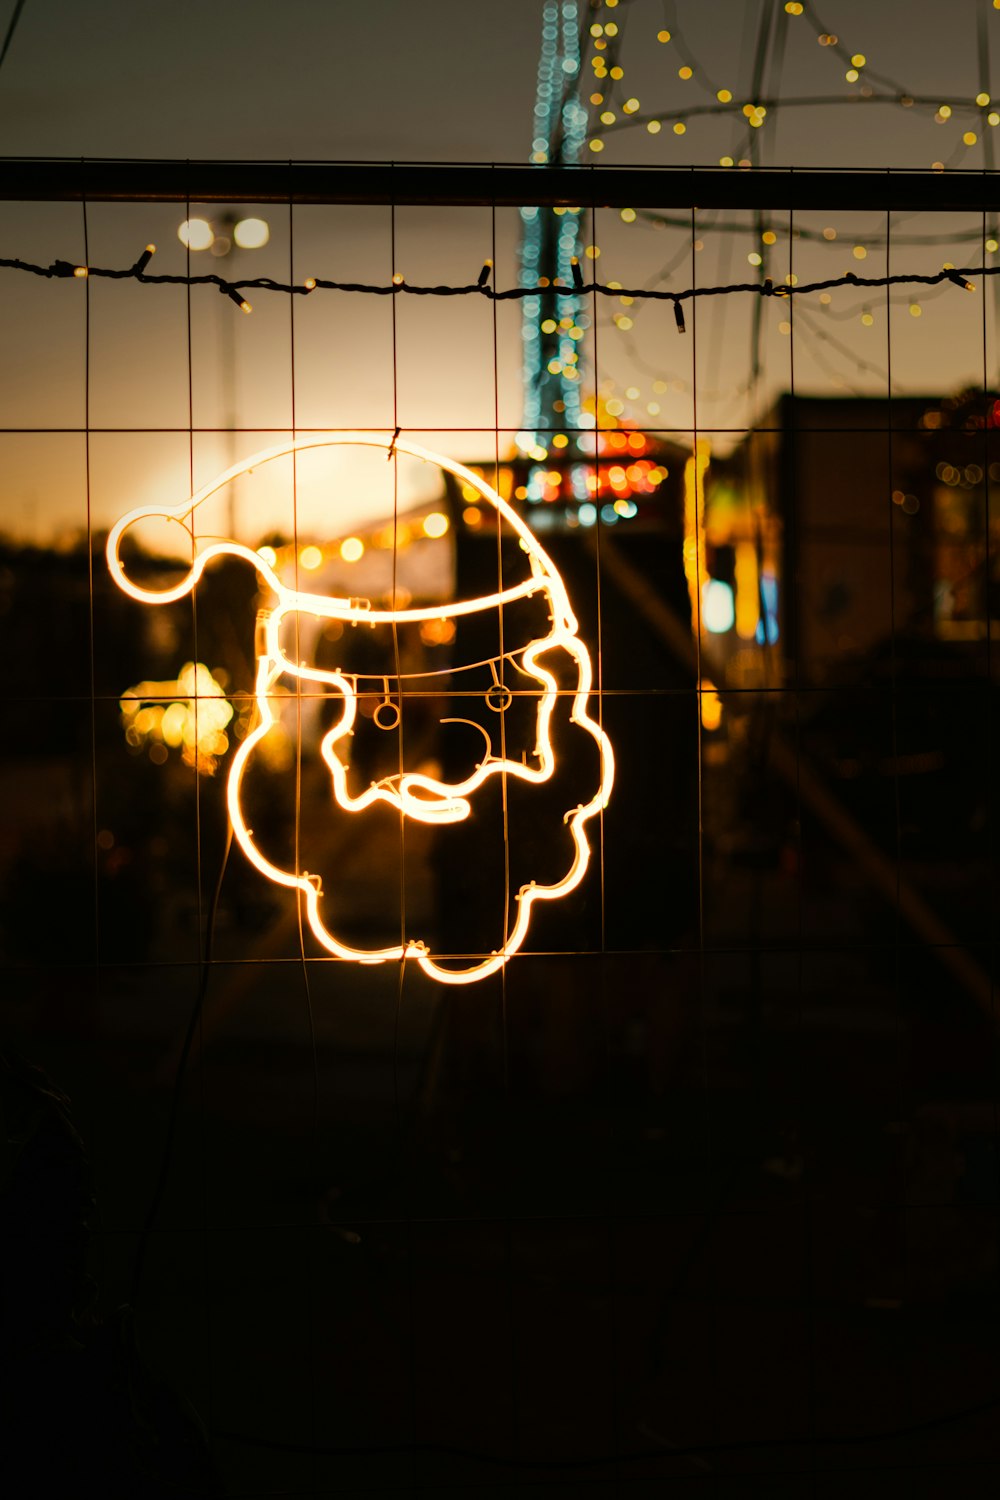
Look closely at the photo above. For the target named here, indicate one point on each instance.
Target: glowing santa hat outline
(451, 799)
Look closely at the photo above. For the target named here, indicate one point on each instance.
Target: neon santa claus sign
(414, 794)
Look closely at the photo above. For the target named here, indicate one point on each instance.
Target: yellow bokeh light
(724, 96)
(311, 558)
(252, 234)
(191, 716)
(654, 127)
(436, 524)
(196, 234)
(859, 252)
(680, 128)
(352, 549)
(268, 554)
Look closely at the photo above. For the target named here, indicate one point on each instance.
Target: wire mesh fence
(514, 909)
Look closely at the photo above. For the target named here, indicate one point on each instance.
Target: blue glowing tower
(553, 326)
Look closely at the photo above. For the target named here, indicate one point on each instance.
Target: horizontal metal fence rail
(505, 185)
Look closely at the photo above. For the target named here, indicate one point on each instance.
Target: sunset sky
(447, 81)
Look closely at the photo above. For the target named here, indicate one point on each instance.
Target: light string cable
(482, 288)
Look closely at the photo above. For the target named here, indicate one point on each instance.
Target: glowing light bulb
(718, 612)
(252, 234)
(435, 524)
(196, 234)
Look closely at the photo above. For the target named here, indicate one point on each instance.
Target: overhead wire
(11, 28)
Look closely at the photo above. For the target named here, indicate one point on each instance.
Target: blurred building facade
(839, 524)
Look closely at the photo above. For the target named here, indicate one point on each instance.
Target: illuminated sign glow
(422, 797)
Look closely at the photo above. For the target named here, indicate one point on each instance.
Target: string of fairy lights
(236, 289)
(614, 109)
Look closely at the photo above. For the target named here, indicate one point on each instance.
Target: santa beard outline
(413, 794)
